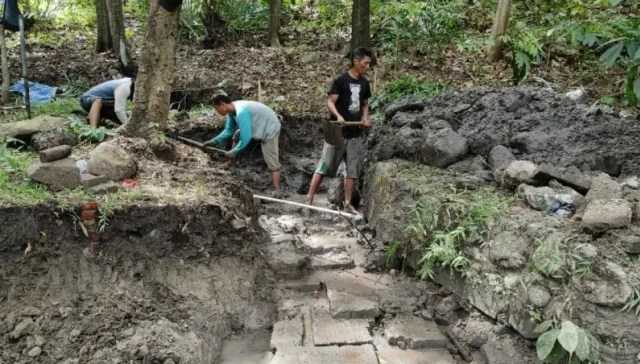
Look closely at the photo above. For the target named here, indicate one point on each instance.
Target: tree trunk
(151, 99)
(103, 41)
(118, 38)
(500, 25)
(361, 13)
(274, 22)
(5, 68)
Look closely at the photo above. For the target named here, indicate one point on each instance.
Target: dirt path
(329, 309)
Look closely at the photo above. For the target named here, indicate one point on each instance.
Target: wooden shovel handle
(200, 145)
(349, 123)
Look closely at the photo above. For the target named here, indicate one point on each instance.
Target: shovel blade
(332, 133)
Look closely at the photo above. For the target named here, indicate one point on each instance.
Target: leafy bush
(85, 131)
(566, 341)
(404, 86)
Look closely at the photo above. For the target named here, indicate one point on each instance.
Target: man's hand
(212, 142)
(366, 122)
(231, 154)
(340, 120)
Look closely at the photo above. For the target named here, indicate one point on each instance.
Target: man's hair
(220, 99)
(360, 53)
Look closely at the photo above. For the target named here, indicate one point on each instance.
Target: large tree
(111, 37)
(360, 16)
(500, 24)
(274, 22)
(152, 95)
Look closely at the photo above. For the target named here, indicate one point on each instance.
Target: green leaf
(611, 55)
(637, 55)
(616, 2)
(568, 336)
(636, 86)
(545, 343)
(556, 354)
(583, 348)
(632, 48)
(543, 327)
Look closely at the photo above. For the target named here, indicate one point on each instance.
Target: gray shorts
(352, 153)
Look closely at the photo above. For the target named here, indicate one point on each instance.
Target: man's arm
(245, 124)
(365, 114)
(225, 134)
(331, 104)
(120, 95)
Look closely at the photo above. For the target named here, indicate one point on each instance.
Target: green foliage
(15, 188)
(558, 259)
(442, 223)
(634, 302)
(566, 341)
(404, 86)
(60, 107)
(527, 50)
(85, 131)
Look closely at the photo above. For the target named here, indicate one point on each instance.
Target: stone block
(55, 153)
(345, 305)
(416, 333)
(329, 331)
(602, 215)
(287, 334)
(397, 356)
(59, 175)
(363, 354)
(89, 180)
(332, 261)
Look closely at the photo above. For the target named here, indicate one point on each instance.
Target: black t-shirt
(352, 95)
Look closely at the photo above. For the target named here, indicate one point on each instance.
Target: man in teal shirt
(253, 120)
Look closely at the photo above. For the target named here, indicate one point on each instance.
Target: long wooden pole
(345, 214)
(23, 54)
(200, 145)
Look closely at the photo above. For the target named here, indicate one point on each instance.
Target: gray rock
(329, 331)
(23, 328)
(105, 188)
(500, 156)
(516, 173)
(509, 250)
(54, 138)
(632, 182)
(287, 333)
(608, 286)
(430, 145)
(409, 103)
(602, 215)
(347, 306)
(603, 188)
(89, 180)
(35, 352)
(475, 330)
(415, 332)
(111, 161)
(539, 296)
(568, 177)
(59, 175)
(578, 95)
(586, 251)
(500, 352)
(31, 311)
(401, 344)
(55, 153)
(538, 198)
(26, 128)
(445, 311)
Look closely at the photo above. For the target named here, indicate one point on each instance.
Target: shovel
(332, 131)
(200, 145)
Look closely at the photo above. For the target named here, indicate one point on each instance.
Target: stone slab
(287, 333)
(397, 356)
(89, 180)
(104, 188)
(347, 306)
(332, 260)
(59, 175)
(319, 244)
(329, 331)
(27, 127)
(363, 354)
(286, 262)
(416, 333)
(546, 173)
(291, 307)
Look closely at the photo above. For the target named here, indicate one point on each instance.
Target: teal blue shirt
(254, 120)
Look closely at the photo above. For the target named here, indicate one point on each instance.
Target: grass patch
(60, 107)
(404, 86)
(446, 219)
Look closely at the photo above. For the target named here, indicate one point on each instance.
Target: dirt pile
(536, 124)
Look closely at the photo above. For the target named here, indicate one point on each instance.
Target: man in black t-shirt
(347, 101)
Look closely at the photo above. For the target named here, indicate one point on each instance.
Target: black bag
(170, 5)
(11, 15)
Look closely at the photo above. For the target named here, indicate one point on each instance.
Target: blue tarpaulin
(37, 91)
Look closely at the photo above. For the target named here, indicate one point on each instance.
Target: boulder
(26, 128)
(607, 286)
(603, 188)
(538, 198)
(516, 173)
(568, 177)
(54, 138)
(602, 215)
(539, 296)
(409, 103)
(60, 174)
(112, 162)
(500, 156)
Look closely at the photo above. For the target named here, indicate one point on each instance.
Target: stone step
(320, 244)
(415, 332)
(287, 334)
(253, 358)
(296, 305)
(347, 306)
(363, 354)
(332, 260)
(398, 356)
(330, 331)
(285, 261)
